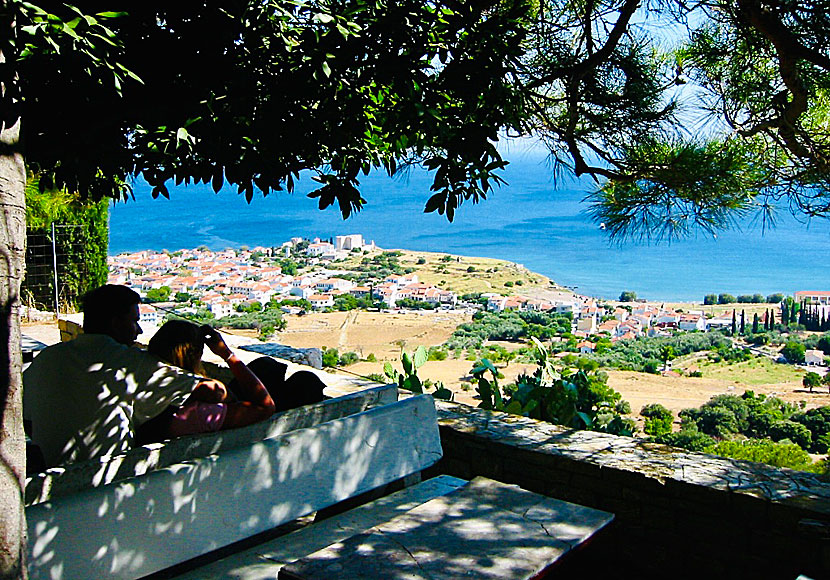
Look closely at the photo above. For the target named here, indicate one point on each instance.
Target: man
(86, 397)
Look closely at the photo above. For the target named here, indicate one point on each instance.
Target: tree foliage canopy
(254, 92)
(689, 114)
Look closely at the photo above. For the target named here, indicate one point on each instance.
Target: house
(813, 296)
(587, 323)
(321, 301)
(692, 322)
(220, 308)
(329, 284)
(147, 314)
(319, 249)
(814, 357)
(586, 347)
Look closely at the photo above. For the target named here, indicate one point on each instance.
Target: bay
(531, 221)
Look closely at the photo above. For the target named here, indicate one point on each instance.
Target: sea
(533, 220)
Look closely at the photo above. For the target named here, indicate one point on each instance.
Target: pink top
(197, 417)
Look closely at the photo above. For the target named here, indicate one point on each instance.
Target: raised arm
(255, 404)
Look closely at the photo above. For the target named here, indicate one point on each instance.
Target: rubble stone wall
(678, 514)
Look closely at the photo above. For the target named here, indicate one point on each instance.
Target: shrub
(818, 422)
(348, 358)
(792, 431)
(794, 352)
(508, 284)
(763, 451)
(371, 357)
(717, 421)
(658, 419)
(421, 260)
(436, 353)
(737, 405)
(651, 366)
(689, 438)
(628, 296)
(331, 358)
(696, 374)
(726, 299)
(710, 299)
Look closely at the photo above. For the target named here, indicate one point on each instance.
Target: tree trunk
(12, 442)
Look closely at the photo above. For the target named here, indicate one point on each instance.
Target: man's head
(112, 310)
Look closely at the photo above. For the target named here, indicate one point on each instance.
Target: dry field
(378, 333)
(385, 334)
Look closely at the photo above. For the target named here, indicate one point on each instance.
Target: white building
(147, 314)
(350, 242)
(814, 357)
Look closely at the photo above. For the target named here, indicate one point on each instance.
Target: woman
(181, 343)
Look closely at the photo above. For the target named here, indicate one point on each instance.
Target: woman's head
(179, 343)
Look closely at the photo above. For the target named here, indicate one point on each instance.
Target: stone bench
(129, 515)
(170, 517)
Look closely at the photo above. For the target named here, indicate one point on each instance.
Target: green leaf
(585, 419)
(407, 364)
(420, 357)
(389, 371)
(326, 69)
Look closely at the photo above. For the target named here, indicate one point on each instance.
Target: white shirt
(85, 397)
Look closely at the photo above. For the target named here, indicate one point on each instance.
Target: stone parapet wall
(678, 514)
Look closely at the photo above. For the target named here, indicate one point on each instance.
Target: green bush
(348, 358)
(628, 296)
(818, 422)
(371, 358)
(763, 451)
(717, 421)
(794, 352)
(688, 438)
(331, 358)
(658, 419)
(651, 366)
(435, 353)
(793, 432)
(566, 396)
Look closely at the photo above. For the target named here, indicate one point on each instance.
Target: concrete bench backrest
(144, 524)
(70, 479)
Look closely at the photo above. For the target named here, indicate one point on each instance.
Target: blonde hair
(179, 343)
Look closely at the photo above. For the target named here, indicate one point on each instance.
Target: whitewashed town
(224, 281)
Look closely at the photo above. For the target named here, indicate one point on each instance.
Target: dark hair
(103, 303)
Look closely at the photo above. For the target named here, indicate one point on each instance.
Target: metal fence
(53, 270)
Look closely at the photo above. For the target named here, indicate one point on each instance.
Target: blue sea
(531, 220)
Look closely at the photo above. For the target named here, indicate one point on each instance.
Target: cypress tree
(734, 323)
(755, 323)
(785, 313)
(793, 312)
(743, 321)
